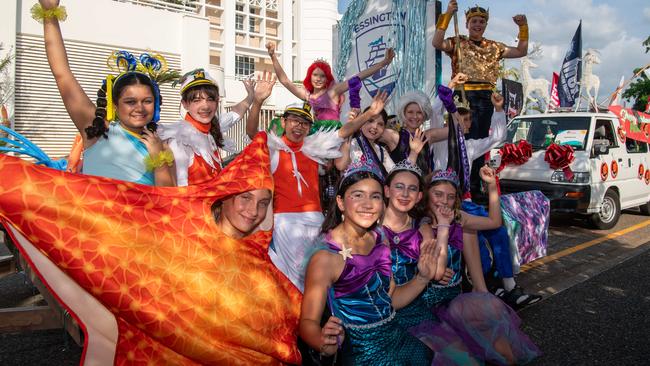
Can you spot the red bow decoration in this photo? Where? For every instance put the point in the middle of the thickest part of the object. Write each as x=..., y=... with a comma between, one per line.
x=515, y=154
x=559, y=157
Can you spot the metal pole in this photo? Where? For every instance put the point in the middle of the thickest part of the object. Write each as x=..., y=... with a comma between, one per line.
x=458, y=55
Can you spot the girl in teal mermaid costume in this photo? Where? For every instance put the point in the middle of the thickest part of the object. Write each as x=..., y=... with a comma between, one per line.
x=352, y=275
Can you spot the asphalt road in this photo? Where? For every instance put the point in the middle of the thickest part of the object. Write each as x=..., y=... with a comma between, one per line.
x=595, y=309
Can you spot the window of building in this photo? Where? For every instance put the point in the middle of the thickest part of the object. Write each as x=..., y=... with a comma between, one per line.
x=251, y=24
x=239, y=22
x=244, y=65
x=239, y=7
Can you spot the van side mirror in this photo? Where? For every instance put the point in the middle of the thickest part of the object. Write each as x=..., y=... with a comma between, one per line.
x=601, y=147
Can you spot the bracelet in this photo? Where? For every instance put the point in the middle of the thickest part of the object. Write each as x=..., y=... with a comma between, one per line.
x=523, y=32
x=443, y=21
x=443, y=225
x=39, y=14
x=162, y=158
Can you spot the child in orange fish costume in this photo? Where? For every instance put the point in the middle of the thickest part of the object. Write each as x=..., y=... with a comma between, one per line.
x=157, y=275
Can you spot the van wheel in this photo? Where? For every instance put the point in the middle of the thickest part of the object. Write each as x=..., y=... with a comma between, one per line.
x=610, y=211
x=645, y=208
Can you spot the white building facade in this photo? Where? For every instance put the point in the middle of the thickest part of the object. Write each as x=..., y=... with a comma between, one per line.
x=227, y=37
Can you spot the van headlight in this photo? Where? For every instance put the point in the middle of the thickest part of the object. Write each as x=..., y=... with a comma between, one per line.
x=578, y=177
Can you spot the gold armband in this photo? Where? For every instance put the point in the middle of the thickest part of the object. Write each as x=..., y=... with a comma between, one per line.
x=523, y=32
x=39, y=14
x=443, y=21
x=162, y=158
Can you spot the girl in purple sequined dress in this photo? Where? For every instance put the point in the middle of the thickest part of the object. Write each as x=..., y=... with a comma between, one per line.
x=352, y=275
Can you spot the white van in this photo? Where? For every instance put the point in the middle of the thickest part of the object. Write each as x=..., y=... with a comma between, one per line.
x=611, y=167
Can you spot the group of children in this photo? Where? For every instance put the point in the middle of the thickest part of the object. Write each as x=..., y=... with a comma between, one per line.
x=381, y=273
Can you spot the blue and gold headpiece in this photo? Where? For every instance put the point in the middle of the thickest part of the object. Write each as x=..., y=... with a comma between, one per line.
x=153, y=65
x=363, y=165
x=448, y=175
x=477, y=11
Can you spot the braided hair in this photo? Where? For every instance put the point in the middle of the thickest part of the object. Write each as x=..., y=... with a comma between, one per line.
x=210, y=91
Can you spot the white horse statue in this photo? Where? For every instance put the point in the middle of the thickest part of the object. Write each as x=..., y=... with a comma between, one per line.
x=530, y=85
x=589, y=80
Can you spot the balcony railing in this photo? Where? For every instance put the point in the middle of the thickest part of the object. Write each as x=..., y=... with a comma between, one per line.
x=238, y=132
x=177, y=6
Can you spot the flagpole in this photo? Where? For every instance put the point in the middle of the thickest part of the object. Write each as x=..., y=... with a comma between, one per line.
x=458, y=55
x=627, y=83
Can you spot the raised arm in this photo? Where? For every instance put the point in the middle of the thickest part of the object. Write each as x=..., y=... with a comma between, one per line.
x=355, y=124
x=241, y=107
x=318, y=280
x=78, y=105
x=342, y=87
x=282, y=76
x=439, y=41
x=522, y=46
x=263, y=89
x=493, y=221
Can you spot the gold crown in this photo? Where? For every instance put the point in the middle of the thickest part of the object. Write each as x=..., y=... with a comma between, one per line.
x=477, y=11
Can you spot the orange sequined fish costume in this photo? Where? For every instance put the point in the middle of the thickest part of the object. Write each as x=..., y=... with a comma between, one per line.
x=146, y=271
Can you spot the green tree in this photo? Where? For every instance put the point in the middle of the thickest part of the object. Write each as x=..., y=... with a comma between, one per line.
x=639, y=90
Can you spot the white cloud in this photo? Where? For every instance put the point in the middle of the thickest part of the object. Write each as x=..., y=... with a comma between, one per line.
x=646, y=13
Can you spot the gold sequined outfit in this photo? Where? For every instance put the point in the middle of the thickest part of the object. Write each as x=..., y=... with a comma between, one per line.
x=480, y=61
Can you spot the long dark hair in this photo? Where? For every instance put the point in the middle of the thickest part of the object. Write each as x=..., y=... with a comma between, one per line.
x=98, y=126
x=419, y=210
x=212, y=91
x=333, y=218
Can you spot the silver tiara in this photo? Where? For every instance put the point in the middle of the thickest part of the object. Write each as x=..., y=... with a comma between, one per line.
x=406, y=165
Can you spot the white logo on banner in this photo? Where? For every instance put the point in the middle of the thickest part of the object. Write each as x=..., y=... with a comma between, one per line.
x=371, y=47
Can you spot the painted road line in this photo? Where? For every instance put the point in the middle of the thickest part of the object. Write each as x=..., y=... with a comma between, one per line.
x=563, y=253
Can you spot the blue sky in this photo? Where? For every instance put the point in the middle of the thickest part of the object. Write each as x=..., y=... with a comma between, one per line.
x=615, y=28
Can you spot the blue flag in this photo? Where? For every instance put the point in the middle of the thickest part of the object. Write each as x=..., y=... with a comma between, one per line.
x=569, y=85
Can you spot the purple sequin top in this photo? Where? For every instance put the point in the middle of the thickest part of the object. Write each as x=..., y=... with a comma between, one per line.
x=324, y=107
x=405, y=252
x=360, y=268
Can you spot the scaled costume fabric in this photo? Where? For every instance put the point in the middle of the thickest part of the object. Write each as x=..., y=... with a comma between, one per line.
x=471, y=325
x=146, y=271
x=360, y=299
x=526, y=216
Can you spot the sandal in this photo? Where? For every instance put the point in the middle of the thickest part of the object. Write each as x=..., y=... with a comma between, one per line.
x=518, y=299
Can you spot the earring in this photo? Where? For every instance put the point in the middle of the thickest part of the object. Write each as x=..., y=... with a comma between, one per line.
x=342, y=217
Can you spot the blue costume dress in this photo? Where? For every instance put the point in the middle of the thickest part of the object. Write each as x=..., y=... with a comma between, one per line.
x=404, y=254
x=360, y=298
x=437, y=294
x=120, y=156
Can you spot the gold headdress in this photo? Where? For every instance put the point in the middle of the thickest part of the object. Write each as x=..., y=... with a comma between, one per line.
x=477, y=11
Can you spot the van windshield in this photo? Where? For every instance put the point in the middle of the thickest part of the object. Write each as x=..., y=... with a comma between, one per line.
x=542, y=132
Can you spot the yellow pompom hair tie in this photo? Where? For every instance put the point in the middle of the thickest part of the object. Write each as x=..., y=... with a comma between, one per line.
x=39, y=14
x=110, y=108
x=162, y=158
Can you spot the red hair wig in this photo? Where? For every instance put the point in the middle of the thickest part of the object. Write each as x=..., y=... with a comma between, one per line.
x=320, y=65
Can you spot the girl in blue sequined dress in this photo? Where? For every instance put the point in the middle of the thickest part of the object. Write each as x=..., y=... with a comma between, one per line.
x=405, y=233
x=352, y=275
